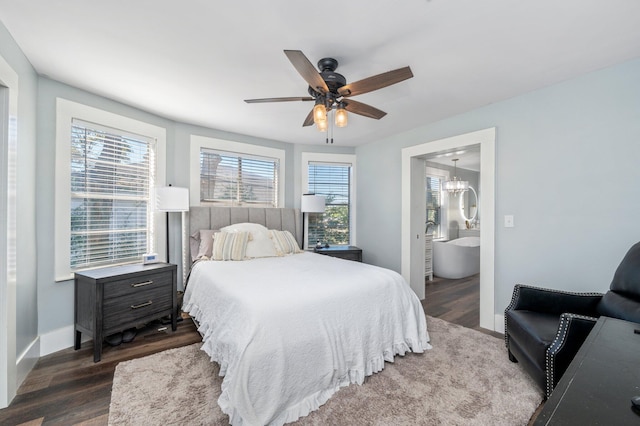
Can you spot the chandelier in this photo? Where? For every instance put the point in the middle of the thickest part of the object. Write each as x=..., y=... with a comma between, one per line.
x=455, y=186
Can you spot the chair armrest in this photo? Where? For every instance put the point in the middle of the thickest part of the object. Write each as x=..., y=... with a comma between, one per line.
x=572, y=332
x=556, y=302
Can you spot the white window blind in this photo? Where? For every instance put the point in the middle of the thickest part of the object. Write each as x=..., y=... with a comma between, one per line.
x=333, y=181
x=434, y=205
x=238, y=179
x=112, y=174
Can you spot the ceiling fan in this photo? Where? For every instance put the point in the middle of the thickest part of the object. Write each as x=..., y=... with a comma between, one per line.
x=330, y=90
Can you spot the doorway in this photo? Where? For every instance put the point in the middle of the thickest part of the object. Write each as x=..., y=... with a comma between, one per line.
x=413, y=202
x=454, y=280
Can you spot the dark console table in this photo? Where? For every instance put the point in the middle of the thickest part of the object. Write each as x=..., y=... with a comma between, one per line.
x=598, y=386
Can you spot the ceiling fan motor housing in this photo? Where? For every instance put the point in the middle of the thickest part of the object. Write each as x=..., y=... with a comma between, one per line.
x=334, y=80
x=327, y=67
x=327, y=64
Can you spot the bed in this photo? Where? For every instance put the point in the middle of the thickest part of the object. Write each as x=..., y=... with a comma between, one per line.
x=289, y=331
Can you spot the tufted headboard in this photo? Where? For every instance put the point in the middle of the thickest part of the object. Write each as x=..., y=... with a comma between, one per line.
x=284, y=219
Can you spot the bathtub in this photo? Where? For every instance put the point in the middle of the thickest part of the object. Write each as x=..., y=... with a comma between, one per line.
x=456, y=258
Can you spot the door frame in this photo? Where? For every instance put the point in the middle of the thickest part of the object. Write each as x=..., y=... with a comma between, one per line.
x=413, y=223
x=8, y=188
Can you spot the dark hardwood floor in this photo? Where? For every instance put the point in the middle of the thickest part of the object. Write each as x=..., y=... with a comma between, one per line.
x=456, y=301
x=68, y=388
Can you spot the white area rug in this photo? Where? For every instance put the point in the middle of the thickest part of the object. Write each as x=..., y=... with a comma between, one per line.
x=466, y=379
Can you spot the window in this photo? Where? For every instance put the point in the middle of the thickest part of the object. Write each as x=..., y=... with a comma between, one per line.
x=434, y=205
x=107, y=167
x=238, y=179
x=235, y=174
x=111, y=209
x=333, y=180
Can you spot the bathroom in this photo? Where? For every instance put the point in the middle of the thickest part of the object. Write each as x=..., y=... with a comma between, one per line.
x=452, y=227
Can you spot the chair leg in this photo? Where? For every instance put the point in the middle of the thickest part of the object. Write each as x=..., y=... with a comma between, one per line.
x=511, y=357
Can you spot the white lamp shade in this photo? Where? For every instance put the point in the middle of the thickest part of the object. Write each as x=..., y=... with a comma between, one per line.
x=172, y=199
x=312, y=203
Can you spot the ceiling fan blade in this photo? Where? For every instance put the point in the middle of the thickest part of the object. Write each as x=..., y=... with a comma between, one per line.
x=376, y=82
x=307, y=70
x=299, y=98
x=363, y=109
x=309, y=120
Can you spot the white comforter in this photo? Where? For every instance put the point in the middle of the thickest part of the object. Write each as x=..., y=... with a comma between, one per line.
x=288, y=332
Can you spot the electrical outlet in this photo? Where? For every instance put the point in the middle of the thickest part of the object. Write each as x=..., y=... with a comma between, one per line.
x=508, y=221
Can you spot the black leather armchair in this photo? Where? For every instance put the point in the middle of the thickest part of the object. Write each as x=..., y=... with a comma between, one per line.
x=545, y=328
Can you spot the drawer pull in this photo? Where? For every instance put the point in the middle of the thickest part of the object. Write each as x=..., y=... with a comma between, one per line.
x=142, y=305
x=142, y=284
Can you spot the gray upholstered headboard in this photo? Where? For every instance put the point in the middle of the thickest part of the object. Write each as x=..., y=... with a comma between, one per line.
x=217, y=217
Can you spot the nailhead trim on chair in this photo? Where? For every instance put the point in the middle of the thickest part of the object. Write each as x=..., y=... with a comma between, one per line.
x=516, y=295
x=557, y=344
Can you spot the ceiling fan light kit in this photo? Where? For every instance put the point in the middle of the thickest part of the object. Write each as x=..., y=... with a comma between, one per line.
x=319, y=111
x=341, y=116
x=330, y=90
x=321, y=125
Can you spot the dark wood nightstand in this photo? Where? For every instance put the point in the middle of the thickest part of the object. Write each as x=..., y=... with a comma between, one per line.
x=342, y=252
x=110, y=300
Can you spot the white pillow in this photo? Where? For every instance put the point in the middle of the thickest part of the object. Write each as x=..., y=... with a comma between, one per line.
x=205, y=247
x=285, y=242
x=201, y=243
x=246, y=227
x=230, y=245
x=260, y=245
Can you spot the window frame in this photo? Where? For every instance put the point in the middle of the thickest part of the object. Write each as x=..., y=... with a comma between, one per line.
x=66, y=111
x=198, y=142
x=315, y=157
x=443, y=175
x=239, y=160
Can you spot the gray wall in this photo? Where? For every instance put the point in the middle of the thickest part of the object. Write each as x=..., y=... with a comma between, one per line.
x=583, y=133
x=27, y=238
x=55, y=300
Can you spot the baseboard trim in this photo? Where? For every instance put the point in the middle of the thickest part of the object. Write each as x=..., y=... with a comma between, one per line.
x=498, y=323
x=56, y=340
x=27, y=360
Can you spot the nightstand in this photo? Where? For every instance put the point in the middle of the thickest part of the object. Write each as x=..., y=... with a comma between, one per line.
x=342, y=252
x=110, y=300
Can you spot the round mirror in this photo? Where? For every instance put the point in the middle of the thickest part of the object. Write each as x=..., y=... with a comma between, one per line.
x=473, y=205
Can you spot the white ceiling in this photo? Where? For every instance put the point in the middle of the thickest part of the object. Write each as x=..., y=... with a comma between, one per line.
x=195, y=61
x=468, y=158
